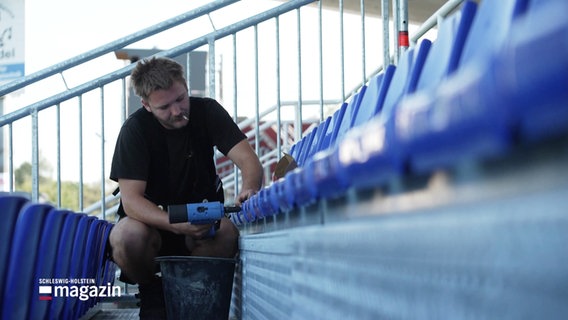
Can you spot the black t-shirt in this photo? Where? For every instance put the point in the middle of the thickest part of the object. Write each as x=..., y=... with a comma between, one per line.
x=177, y=165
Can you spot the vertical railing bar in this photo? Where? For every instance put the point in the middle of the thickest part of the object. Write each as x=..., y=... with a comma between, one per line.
x=278, y=98
x=81, y=205
x=395, y=30
x=188, y=71
x=299, y=125
x=212, y=78
x=103, y=178
x=403, y=40
x=235, y=105
x=386, y=41
x=363, y=47
x=11, y=157
x=256, y=93
x=212, y=68
x=342, y=50
x=35, y=156
x=58, y=128
x=320, y=40
x=124, y=112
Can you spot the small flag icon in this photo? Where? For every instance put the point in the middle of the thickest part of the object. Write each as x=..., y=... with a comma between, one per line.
x=44, y=293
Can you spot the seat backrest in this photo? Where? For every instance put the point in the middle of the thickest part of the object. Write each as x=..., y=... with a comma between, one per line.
x=490, y=28
x=405, y=77
x=89, y=266
x=349, y=116
x=335, y=122
x=318, y=138
x=64, y=256
x=295, y=149
x=78, y=259
x=374, y=98
x=305, y=147
x=45, y=264
x=10, y=206
x=446, y=51
x=108, y=268
x=21, y=264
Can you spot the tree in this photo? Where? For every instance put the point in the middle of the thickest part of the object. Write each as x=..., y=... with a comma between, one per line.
x=48, y=187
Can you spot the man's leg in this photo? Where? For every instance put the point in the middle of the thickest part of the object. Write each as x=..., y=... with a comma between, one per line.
x=223, y=245
x=134, y=247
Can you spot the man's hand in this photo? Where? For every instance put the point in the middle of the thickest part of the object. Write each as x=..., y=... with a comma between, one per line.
x=195, y=231
x=244, y=195
x=244, y=157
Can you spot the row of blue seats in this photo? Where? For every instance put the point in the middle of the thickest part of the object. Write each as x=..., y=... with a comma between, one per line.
x=496, y=74
x=40, y=246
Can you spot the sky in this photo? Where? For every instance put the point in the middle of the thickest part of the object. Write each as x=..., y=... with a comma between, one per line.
x=57, y=30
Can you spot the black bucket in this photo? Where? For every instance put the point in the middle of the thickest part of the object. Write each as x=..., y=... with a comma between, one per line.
x=197, y=287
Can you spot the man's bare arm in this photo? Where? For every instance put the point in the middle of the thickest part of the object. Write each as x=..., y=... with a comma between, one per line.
x=246, y=159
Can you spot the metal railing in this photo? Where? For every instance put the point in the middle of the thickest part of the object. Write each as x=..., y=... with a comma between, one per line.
x=316, y=99
x=33, y=110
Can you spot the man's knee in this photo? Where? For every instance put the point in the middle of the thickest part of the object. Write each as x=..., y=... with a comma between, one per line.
x=229, y=236
x=130, y=236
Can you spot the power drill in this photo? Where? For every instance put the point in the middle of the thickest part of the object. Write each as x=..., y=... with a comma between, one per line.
x=201, y=213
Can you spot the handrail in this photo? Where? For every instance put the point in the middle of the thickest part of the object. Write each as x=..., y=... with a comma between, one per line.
x=176, y=51
x=120, y=43
x=433, y=20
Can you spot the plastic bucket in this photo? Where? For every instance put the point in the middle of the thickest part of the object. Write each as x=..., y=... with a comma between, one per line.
x=197, y=287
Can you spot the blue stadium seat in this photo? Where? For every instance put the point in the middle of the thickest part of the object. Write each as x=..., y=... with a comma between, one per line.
x=246, y=210
x=536, y=62
x=21, y=264
x=78, y=259
x=333, y=126
x=287, y=192
x=281, y=195
x=255, y=206
x=326, y=174
x=318, y=138
x=64, y=256
x=367, y=157
x=305, y=147
x=472, y=114
x=374, y=98
x=405, y=78
x=490, y=28
x=446, y=51
x=106, y=273
x=47, y=255
x=321, y=179
x=294, y=149
x=296, y=187
x=348, y=117
x=104, y=269
x=235, y=217
x=89, y=266
x=10, y=206
x=249, y=209
x=265, y=206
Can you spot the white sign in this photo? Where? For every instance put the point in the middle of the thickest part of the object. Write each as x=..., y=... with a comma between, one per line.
x=12, y=36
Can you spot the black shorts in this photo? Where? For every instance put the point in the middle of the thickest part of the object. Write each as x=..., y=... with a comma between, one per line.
x=172, y=244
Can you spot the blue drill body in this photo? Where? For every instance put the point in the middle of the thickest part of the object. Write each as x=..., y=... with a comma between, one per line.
x=201, y=213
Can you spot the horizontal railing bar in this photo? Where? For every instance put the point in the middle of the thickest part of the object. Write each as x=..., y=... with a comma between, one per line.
x=174, y=52
x=432, y=21
x=112, y=46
